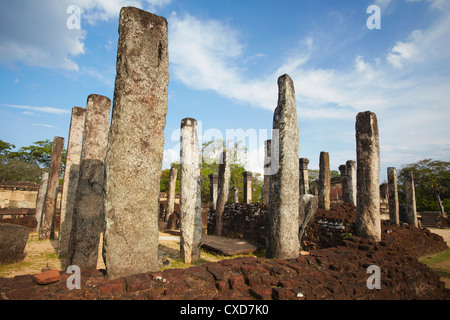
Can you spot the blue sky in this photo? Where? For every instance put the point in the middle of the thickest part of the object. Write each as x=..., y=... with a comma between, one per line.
x=225, y=58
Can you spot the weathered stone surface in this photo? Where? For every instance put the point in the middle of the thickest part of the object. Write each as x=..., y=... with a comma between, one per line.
x=303, y=179
x=351, y=181
x=13, y=239
x=282, y=222
x=343, y=171
x=367, y=222
x=213, y=189
x=393, y=196
x=54, y=172
x=40, y=199
x=47, y=277
x=411, y=211
x=235, y=191
x=71, y=174
x=136, y=144
x=307, y=208
x=223, y=190
x=190, y=194
x=266, y=185
x=247, y=186
x=171, y=193
x=324, y=181
x=88, y=213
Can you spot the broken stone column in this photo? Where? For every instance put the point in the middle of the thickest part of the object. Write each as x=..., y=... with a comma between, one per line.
x=266, y=184
x=307, y=208
x=247, y=186
x=303, y=180
x=393, y=196
x=213, y=189
x=324, y=181
x=170, y=205
x=223, y=190
x=40, y=199
x=411, y=213
x=54, y=172
x=351, y=181
x=136, y=144
x=367, y=222
x=71, y=174
x=88, y=212
x=343, y=170
x=190, y=197
x=235, y=195
x=282, y=220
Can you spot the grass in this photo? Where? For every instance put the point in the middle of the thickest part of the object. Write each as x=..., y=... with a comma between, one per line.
x=440, y=263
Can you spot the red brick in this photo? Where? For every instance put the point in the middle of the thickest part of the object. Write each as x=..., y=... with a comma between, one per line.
x=47, y=277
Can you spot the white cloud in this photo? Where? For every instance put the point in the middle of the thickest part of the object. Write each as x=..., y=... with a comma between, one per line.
x=51, y=110
x=45, y=125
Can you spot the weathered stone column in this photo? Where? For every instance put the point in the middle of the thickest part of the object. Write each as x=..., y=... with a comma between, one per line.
x=213, y=189
x=136, y=144
x=51, y=195
x=71, y=174
x=393, y=196
x=223, y=190
x=282, y=220
x=40, y=199
x=367, y=222
x=411, y=213
x=343, y=170
x=303, y=180
x=190, y=197
x=247, y=186
x=170, y=205
x=89, y=212
x=235, y=195
x=351, y=181
x=324, y=181
x=266, y=185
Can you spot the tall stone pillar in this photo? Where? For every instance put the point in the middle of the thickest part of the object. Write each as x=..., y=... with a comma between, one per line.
x=190, y=197
x=213, y=189
x=303, y=180
x=89, y=212
x=393, y=196
x=367, y=222
x=343, y=170
x=247, y=186
x=136, y=144
x=71, y=174
x=282, y=220
x=324, y=181
x=40, y=199
x=171, y=193
x=223, y=190
x=51, y=195
x=411, y=213
x=351, y=181
x=266, y=185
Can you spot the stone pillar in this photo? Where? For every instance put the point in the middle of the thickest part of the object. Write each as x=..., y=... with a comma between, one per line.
x=89, y=212
x=351, y=181
x=71, y=174
x=343, y=170
x=51, y=195
x=303, y=180
x=411, y=213
x=213, y=188
x=136, y=144
x=282, y=220
x=247, y=186
x=367, y=222
x=266, y=185
x=393, y=196
x=190, y=197
x=170, y=205
x=324, y=181
x=235, y=195
x=40, y=199
x=223, y=190
x=384, y=194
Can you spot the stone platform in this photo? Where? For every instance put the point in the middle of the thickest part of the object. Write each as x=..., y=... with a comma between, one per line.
x=227, y=246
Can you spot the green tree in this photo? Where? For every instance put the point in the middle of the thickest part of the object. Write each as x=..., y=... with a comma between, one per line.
x=431, y=182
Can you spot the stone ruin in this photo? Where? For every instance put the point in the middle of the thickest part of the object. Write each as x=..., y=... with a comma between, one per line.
x=111, y=188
